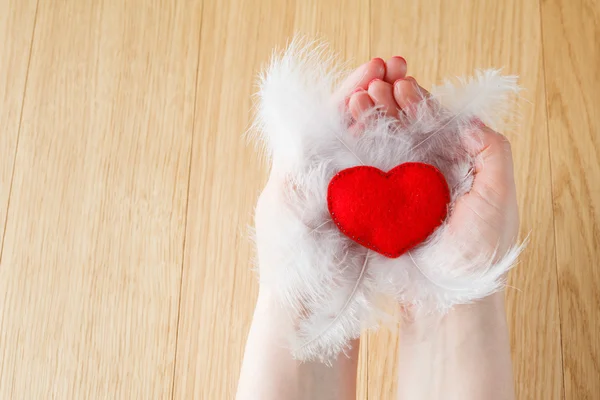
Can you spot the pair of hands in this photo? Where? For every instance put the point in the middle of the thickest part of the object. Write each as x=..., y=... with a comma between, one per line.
x=484, y=219
x=468, y=356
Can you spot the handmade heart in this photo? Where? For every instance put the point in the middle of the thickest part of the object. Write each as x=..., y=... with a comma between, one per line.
x=391, y=212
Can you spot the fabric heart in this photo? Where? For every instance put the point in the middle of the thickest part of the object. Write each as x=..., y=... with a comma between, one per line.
x=391, y=212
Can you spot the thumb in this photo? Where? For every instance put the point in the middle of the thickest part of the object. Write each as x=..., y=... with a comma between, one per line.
x=489, y=210
x=494, y=174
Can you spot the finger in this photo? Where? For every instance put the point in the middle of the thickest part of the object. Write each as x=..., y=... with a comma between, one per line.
x=494, y=172
x=395, y=69
x=381, y=93
x=491, y=149
x=360, y=78
x=408, y=94
x=360, y=102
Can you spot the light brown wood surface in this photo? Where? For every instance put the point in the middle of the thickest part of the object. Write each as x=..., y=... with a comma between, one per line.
x=127, y=189
x=16, y=34
x=571, y=33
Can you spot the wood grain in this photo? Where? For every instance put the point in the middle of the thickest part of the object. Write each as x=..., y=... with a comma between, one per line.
x=454, y=38
x=219, y=289
x=16, y=34
x=571, y=30
x=92, y=259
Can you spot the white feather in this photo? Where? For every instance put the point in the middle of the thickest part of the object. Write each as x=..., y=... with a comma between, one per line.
x=485, y=96
x=329, y=285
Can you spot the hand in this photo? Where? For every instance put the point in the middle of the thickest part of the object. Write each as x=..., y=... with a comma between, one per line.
x=489, y=209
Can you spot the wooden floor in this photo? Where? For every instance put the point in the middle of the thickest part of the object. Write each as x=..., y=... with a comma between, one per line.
x=126, y=188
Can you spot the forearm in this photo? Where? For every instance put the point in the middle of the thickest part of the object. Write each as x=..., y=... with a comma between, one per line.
x=464, y=355
x=269, y=371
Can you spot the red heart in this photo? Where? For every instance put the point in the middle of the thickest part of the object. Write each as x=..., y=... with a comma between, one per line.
x=391, y=212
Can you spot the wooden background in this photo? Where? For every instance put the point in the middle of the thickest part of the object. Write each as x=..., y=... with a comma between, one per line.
x=126, y=189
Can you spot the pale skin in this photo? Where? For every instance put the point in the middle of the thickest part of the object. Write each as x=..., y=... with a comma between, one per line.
x=463, y=355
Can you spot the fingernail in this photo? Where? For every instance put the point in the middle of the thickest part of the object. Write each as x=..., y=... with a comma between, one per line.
x=398, y=81
x=401, y=58
x=373, y=80
x=383, y=66
x=413, y=82
x=347, y=100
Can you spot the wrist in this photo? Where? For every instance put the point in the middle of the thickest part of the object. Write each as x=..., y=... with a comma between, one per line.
x=466, y=319
x=269, y=370
x=464, y=354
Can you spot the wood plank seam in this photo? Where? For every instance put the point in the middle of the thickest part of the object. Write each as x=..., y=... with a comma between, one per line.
x=12, y=176
x=187, y=202
x=560, y=335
